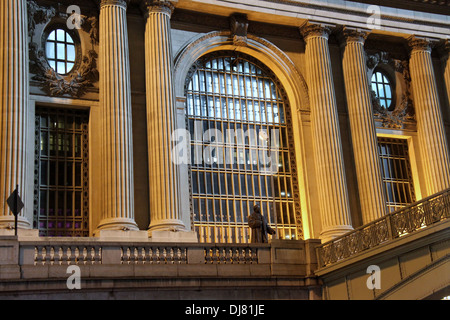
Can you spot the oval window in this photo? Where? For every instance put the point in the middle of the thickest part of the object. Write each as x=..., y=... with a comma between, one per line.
x=61, y=51
x=383, y=89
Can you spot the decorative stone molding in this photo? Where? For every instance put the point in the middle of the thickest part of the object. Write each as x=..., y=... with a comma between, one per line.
x=402, y=113
x=218, y=40
x=83, y=76
x=239, y=27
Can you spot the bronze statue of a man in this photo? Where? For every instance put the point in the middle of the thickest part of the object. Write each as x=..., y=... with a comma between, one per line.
x=260, y=227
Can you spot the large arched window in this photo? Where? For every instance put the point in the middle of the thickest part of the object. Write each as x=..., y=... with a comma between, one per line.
x=242, y=151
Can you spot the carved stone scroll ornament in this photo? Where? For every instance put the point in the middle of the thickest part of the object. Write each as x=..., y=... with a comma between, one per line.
x=84, y=76
x=403, y=110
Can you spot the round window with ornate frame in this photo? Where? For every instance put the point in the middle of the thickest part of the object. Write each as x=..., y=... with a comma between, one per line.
x=61, y=49
x=383, y=89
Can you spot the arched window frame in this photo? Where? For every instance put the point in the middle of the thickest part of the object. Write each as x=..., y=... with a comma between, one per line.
x=296, y=217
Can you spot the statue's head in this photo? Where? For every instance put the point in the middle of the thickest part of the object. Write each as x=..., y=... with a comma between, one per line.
x=257, y=208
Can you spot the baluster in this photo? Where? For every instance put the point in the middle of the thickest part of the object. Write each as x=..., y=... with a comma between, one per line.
x=248, y=255
x=56, y=256
x=242, y=257
x=64, y=257
x=158, y=255
x=140, y=255
x=82, y=257
x=171, y=256
x=208, y=255
x=128, y=255
x=164, y=256
x=48, y=257
x=184, y=255
x=222, y=255
x=229, y=256
x=122, y=256
x=151, y=255
x=38, y=258
x=77, y=255
x=52, y=255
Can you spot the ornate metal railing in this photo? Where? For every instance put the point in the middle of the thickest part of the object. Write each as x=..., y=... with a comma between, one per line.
x=394, y=225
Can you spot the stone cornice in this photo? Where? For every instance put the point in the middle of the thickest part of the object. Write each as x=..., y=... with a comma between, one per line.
x=162, y=6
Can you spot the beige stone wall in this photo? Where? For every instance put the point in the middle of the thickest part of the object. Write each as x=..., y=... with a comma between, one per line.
x=278, y=26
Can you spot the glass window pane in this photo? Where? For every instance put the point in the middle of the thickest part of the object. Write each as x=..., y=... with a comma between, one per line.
x=71, y=53
x=60, y=35
x=379, y=77
x=52, y=36
x=69, y=38
x=50, y=50
x=61, y=67
x=380, y=91
x=388, y=91
x=70, y=67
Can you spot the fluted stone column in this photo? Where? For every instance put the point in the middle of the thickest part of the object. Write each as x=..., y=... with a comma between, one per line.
x=430, y=127
x=365, y=144
x=165, y=213
x=115, y=101
x=445, y=58
x=13, y=106
x=331, y=181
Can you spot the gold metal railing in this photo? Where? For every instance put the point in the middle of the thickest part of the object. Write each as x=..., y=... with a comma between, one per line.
x=409, y=219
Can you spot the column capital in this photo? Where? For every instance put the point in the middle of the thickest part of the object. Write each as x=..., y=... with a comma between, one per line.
x=309, y=30
x=120, y=3
x=349, y=34
x=163, y=6
x=443, y=48
x=419, y=44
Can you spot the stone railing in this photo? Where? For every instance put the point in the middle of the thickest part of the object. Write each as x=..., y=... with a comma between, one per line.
x=409, y=219
x=295, y=255
x=79, y=252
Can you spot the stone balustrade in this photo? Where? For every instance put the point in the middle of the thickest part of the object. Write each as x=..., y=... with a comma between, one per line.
x=50, y=258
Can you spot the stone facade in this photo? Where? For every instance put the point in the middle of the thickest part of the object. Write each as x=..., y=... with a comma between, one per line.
x=130, y=69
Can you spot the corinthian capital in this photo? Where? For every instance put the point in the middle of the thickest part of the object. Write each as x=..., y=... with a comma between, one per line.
x=120, y=3
x=347, y=34
x=443, y=48
x=308, y=30
x=164, y=6
x=419, y=44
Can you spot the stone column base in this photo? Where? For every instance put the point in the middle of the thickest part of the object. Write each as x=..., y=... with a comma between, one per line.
x=173, y=236
x=121, y=235
x=334, y=232
x=23, y=234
